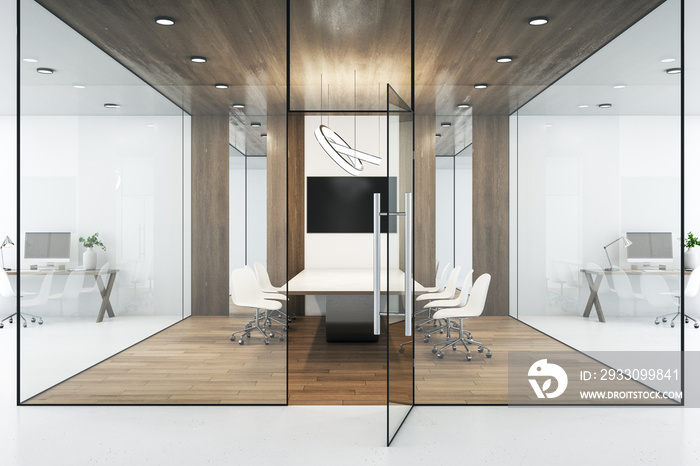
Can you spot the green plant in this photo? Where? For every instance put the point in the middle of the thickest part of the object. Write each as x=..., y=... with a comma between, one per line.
x=92, y=241
x=691, y=240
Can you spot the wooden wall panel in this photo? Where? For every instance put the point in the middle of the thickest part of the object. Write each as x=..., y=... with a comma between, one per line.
x=210, y=216
x=490, y=208
x=277, y=199
x=295, y=191
x=424, y=199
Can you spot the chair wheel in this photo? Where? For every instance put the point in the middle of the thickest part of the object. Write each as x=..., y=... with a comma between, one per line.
x=294, y=317
x=672, y=325
x=41, y=322
x=434, y=350
x=454, y=347
x=24, y=324
x=469, y=357
x=281, y=338
x=442, y=331
x=419, y=329
x=657, y=322
x=247, y=335
x=241, y=341
x=233, y=338
x=426, y=339
x=267, y=342
x=696, y=325
x=481, y=349
x=2, y=325
x=272, y=334
x=10, y=319
x=440, y=355
x=402, y=350
x=686, y=321
x=663, y=320
x=488, y=355
x=33, y=319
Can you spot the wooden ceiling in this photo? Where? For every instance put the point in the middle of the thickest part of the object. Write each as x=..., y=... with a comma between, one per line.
x=347, y=50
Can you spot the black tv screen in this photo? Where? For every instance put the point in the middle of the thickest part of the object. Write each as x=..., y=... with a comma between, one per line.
x=344, y=204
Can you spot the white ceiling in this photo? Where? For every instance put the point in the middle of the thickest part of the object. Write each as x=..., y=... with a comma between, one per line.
x=77, y=61
x=633, y=59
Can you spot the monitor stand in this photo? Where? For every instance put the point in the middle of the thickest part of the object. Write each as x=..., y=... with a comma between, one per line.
x=648, y=266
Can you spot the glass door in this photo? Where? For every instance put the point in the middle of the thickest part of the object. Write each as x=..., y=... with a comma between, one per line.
x=393, y=265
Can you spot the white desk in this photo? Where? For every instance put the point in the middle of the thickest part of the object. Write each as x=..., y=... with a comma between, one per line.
x=348, y=293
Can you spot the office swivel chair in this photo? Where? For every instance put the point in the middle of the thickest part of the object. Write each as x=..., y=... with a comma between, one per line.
x=454, y=302
x=447, y=293
x=72, y=289
x=691, y=291
x=623, y=288
x=266, y=285
x=473, y=308
x=245, y=293
x=37, y=301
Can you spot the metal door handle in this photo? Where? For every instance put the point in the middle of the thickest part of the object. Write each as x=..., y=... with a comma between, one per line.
x=377, y=246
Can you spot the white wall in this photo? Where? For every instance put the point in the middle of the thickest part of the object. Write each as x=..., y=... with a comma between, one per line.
x=444, y=210
x=463, y=211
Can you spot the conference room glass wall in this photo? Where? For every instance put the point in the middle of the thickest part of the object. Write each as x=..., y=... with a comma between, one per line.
x=597, y=165
x=104, y=154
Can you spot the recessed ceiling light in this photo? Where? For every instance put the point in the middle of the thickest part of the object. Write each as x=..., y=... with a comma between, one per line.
x=30, y=60
x=198, y=59
x=111, y=105
x=165, y=20
x=263, y=135
x=605, y=105
x=583, y=106
x=238, y=106
x=673, y=71
x=464, y=106
x=221, y=86
x=548, y=126
x=480, y=86
x=504, y=59
x=668, y=60
x=619, y=86
x=45, y=70
x=438, y=135
x=78, y=86
x=538, y=21
x=255, y=124
x=445, y=124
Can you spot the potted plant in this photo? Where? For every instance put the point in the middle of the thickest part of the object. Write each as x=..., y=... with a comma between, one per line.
x=89, y=256
x=691, y=257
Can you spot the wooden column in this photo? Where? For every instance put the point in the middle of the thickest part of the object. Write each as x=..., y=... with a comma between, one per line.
x=277, y=199
x=490, y=208
x=296, y=176
x=210, y=216
x=424, y=199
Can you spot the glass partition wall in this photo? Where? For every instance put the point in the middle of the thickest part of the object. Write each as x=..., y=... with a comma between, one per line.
x=104, y=163
x=596, y=202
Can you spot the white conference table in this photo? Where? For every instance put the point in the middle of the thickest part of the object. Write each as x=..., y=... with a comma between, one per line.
x=347, y=295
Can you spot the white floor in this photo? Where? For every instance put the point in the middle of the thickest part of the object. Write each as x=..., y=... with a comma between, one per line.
x=32, y=435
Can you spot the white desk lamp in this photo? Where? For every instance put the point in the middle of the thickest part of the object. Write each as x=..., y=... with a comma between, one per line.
x=627, y=243
x=7, y=243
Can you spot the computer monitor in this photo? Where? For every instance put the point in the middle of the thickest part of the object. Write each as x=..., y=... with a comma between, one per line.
x=650, y=246
x=47, y=247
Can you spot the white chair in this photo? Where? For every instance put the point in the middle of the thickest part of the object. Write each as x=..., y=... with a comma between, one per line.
x=473, y=308
x=39, y=300
x=454, y=302
x=246, y=293
x=447, y=293
x=103, y=271
x=275, y=292
x=623, y=288
x=656, y=292
x=691, y=291
x=269, y=295
x=440, y=280
x=72, y=289
x=6, y=291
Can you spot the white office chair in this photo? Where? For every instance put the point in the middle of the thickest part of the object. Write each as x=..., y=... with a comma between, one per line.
x=103, y=271
x=691, y=291
x=39, y=300
x=440, y=280
x=6, y=291
x=246, y=293
x=656, y=292
x=454, y=302
x=473, y=308
x=270, y=295
x=72, y=288
x=447, y=293
x=623, y=288
x=266, y=286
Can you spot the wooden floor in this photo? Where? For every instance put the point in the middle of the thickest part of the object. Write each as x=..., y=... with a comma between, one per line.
x=194, y=362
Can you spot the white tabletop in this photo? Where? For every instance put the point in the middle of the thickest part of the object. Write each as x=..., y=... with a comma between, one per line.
x=344, y=281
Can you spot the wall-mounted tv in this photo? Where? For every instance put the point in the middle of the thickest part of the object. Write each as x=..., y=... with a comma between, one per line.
x=344, y=204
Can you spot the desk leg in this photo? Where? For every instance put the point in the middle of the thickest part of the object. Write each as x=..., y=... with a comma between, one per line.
x=593, y=300
x=105, y=292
